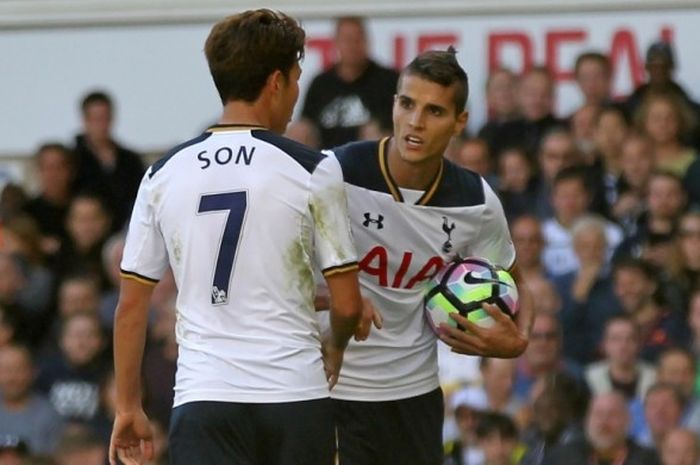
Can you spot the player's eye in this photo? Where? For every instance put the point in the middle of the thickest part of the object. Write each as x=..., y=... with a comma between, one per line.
x=405, y=102
x=436, y=111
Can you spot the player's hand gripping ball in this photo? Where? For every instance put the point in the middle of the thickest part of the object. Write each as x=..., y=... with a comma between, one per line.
x=463, y=286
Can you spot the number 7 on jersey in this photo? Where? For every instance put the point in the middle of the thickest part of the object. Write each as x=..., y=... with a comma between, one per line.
x=235, y=204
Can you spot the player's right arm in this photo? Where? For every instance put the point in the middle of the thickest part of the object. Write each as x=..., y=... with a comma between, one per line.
x=131, y=435
x=345, y=312
x=337, y=258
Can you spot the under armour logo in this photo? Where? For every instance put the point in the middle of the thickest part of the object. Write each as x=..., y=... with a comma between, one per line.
x=447, y=228
x=379, y=222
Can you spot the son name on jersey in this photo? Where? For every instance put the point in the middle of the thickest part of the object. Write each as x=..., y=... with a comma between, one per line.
x=225, y=155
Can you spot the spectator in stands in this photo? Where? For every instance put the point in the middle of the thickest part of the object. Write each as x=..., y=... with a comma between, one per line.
x=12, y=201
x=677, y=368
x=103, y=165
x=621, y=369
x=474, y=155
x=636, y=168
x=556, y=152
x=501, y=95
x=587, y=296
x=686, y=269
x=543, y=356
x=497, y=436
x=570, y=199
x=56, y=173
x=496, y=391
x=536, y=99
x=663, y=412
x=664, y=117
x=660, y=65
x=554, y=419
x=606, y=437
x=501, y=107
x=609, y=135
x=22, y=240
x=355, y=92
x=72, y=378
x=24, y=413
x=680, y=447
x=468, y=409
x=517, y=183
x=665, y=202
x=593, y=75
x=88, y=228
x=526, y=233
x=636, y=286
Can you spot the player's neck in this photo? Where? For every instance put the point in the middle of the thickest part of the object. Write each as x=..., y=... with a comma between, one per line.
x=245, y=113
x=411, y=175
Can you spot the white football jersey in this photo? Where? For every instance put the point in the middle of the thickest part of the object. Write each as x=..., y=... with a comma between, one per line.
x=401, y=245
x=239, y=214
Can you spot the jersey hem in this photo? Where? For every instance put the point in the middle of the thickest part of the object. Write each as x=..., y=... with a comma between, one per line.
x=250, y=397
x=374, y=393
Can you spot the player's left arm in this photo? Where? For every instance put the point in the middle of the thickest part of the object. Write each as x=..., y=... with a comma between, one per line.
x=506, y=338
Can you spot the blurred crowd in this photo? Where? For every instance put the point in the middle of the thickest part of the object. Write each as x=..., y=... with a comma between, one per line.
x=604, y=209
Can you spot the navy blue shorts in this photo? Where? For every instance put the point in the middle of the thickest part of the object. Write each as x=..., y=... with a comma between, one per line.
x=406, y=431
x=226, y=433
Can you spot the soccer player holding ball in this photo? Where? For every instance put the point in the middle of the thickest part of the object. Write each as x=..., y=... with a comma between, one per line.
x=412, y=211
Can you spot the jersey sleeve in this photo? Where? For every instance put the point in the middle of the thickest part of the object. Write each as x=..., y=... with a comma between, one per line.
x=145, y=256
x=335, y=248
x=494, y=242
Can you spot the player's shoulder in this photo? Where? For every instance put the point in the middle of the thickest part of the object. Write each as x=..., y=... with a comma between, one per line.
x=305, y=156
x=459, y=187
x=170, y=154
x=360, y=163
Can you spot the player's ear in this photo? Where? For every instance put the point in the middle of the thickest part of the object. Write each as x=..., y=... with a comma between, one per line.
x=461, y=122
x=276, y=81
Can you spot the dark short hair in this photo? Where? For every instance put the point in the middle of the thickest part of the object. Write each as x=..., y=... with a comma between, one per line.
x=598, y=57
x=243, y=50
x=642, y=266
x=494, y=422
x=96, y=96
x=65, y=152
x=572, y=173
x=441, y=67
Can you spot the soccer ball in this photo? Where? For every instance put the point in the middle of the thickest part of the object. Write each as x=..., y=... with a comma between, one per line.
x=462, y=286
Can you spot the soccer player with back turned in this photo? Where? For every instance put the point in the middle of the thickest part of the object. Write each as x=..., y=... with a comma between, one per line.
x=240, y=213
